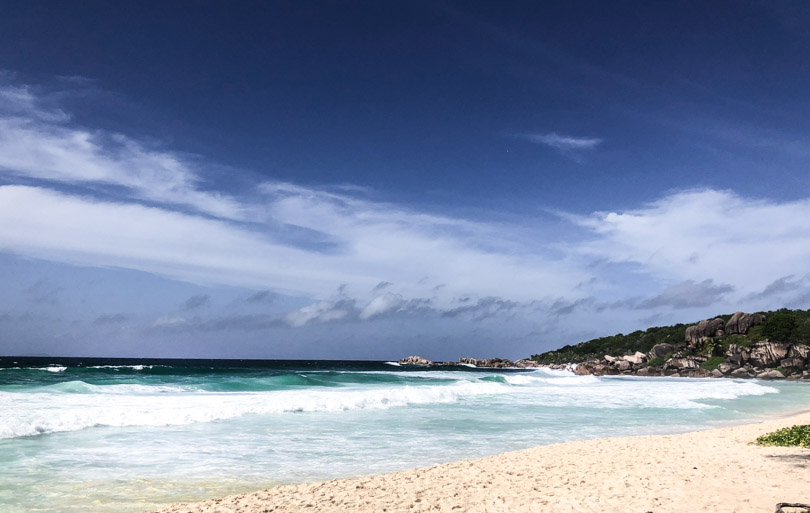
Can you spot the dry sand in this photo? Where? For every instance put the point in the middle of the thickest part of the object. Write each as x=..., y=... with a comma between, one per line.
x=705, y=471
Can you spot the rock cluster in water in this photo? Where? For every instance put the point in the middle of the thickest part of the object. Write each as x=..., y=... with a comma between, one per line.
x=414, y=360
x=492, y=363
x=764, y=360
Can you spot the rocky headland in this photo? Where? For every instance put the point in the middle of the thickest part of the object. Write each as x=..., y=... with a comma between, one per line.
x=735, y=346
x=712, y=348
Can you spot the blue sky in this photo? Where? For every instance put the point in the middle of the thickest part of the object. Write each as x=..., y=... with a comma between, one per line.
x=322, y=180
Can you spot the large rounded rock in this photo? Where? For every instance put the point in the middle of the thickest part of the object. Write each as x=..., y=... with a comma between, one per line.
x=661, y=350
x=792, y=363
x=705, y=329
x=741, y=322
x=768, y=354
x=695, y=373
x=622, y=365
x=688, y=362
x=595, y=367
x=771, y=374
x=799, y=351
x=727, y=368
x=738, y=353
x=740, y=373
x=636, y=359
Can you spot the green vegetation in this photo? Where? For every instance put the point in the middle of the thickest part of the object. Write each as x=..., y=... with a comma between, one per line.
x=740, y=340
x=565, y=355
x=712, y=363
x=796, y=436
x=656, y=362
x=783, y=325
x=713, y=347
x=615, y=345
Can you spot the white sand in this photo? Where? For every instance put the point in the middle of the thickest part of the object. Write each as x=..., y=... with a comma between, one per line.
x=705, y=471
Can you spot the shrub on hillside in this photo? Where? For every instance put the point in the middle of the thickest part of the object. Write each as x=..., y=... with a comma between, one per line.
x=656, y=362
x=712, y=363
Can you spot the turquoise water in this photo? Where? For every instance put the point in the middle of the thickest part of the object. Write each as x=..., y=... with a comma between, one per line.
x=120, y=436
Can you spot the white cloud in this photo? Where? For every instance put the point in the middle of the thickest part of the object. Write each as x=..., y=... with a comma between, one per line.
x=37, y=142
x=46, y=224
x=169, y=322
x=692, y=243
x=376, y=242
x=382, y=305
x=18, y=100
x=404, y=246
x=707, y=234
x=564, y=143
x=368, y=241
x=322, y=311
x=688, y=294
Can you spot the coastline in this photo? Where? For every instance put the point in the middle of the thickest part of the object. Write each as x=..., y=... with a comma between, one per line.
x=714, y=470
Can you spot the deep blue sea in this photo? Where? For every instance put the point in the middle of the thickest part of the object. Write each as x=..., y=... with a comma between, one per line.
x=113, y=435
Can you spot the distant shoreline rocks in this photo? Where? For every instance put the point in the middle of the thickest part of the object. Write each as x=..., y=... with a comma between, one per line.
x=415, y=360
x=487, y=363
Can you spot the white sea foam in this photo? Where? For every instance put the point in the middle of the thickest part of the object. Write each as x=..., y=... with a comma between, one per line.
x=80, y=387
x=134, y=405
x=531, y=379
x=432, y=374
x=134, y=367
x=554, y=372
x=611, y=393
x=468, y=365
x=75, y=405
x=52, y=368
x=395, y=364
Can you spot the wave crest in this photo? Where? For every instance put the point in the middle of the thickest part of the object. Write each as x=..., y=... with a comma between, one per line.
x=39, y=413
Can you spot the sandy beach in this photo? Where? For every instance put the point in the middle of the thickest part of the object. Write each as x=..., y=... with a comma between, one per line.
x=716, y=470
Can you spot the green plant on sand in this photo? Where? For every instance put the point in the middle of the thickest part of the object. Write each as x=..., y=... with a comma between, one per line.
x=795, y=436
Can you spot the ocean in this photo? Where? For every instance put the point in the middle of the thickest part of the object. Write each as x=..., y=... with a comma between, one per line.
x=120, y=435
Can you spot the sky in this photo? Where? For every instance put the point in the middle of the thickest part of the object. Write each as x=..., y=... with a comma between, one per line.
x=371, y=180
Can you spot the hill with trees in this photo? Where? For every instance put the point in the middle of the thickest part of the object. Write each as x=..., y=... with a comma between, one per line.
x=787, y=326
